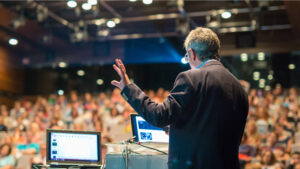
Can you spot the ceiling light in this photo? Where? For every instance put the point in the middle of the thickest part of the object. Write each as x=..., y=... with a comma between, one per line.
x=132, y=0
x=117, y=20
x=292, y=66
x=99, y=82
x=226, y=15
x=270, y=77
x=147, y=2
x=72, y=3
x=62, y=64
x=256, y=76
x=13, y=41
x=80, y=73
x=262, y=83
x=86, y=6
x=110, y=24
x=262, y=80
x=244, y=57
x=92, y=2
x=104, y=32
x=100, y=22
x=60, y=92
x=261, y=56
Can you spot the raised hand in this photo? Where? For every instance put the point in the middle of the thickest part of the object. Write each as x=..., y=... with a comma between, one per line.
x=121, y=70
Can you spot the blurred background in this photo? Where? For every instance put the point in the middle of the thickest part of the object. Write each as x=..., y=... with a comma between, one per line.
x=47, y=46
x=56, y=65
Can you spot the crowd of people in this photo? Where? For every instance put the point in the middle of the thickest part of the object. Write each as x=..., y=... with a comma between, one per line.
x=270, y=140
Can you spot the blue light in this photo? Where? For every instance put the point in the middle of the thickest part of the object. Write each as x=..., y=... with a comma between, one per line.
x=183, y=61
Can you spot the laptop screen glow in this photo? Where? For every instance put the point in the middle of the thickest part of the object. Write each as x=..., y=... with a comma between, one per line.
x=73, y=147
x=145, y=132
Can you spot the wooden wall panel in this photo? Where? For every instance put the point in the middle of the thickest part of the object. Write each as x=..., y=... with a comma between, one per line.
x=11, y=77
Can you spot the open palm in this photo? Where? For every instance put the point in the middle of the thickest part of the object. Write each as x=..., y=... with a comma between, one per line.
x=121, y=70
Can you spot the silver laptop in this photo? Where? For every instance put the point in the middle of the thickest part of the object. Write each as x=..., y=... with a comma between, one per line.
x=79, y=148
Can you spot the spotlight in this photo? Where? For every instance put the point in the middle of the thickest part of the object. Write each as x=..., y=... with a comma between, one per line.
x=147, y=2
x=226, y=15
x=86, y=6
x=292, y=66
x=132, y=0
x=99, y=81
x=262, y=80
x=80, y=73
x=110, y=24
x=261, y=83
x=270, y=77
x=60, y=92
x=92, y=2
x=183, y=61
x=256, y=76
x=13, y=41
x=244, y=57
x=72, y=3
x=62, y=64
x=261, y=56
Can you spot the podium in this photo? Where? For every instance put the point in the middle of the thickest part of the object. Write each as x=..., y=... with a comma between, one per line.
x=137, y=161
x=138, y=157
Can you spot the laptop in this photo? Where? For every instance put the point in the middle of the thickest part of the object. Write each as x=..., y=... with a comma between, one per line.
x=73, y=148
x=145, y=132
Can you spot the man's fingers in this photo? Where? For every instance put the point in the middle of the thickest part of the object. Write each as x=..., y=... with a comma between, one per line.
x=121, y=66
x=118, y=70
x=115, y=83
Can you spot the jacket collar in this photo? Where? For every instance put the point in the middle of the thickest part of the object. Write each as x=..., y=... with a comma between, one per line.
x=213, y=62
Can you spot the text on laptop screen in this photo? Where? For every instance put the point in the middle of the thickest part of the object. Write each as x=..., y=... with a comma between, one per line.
x=74, y=147
x=145, y=132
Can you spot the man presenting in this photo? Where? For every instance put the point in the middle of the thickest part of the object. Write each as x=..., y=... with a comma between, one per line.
x=206, y=109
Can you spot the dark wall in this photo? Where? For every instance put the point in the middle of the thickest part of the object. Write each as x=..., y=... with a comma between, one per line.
x=11, y=77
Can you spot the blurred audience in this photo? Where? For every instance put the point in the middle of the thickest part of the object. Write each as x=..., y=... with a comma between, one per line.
x=271, y=139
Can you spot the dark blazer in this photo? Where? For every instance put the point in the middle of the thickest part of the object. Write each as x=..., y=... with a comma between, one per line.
x=206, y=110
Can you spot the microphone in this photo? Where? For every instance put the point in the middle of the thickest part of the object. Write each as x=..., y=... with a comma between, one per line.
x=130, y=140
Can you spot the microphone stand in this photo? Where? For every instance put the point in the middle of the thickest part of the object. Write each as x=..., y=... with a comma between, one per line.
x=151, y=148
x=126, y=150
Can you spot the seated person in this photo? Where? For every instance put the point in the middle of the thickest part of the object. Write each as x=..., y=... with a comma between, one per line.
x=2, y=126
x=40, y=158
x=294, y=161
x=7, y=160
x=31, y=147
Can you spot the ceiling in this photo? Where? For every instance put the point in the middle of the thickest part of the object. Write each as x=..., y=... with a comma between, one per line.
x=63, y=33
x=162, y=17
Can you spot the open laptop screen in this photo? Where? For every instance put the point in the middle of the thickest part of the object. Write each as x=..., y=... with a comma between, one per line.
x=73, y=147
x=145, y=132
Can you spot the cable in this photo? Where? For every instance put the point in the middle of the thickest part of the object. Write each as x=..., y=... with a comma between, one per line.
x=155, y=149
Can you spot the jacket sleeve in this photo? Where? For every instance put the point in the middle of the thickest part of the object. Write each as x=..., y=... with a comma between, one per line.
x=161, y=114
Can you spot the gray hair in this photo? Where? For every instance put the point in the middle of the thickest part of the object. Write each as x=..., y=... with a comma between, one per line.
x=204, y=42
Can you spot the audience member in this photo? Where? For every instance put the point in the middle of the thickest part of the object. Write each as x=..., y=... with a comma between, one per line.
x=7, y=160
